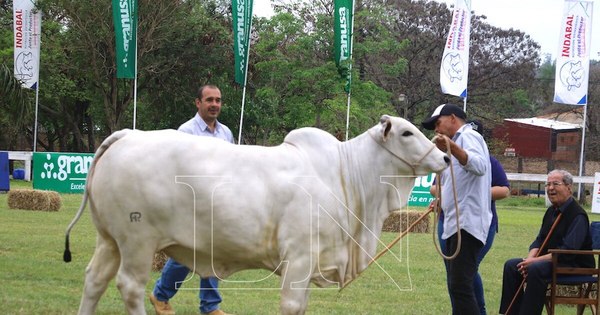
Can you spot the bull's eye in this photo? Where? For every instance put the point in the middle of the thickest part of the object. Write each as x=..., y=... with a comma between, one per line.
x=407, y=133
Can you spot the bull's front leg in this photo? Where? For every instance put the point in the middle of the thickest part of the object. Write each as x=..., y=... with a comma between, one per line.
x=295, y=282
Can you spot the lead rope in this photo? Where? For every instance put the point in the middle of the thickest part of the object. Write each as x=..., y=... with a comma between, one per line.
x=437, y=204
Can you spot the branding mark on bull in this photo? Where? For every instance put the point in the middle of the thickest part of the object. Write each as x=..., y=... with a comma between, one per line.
x=135, y=217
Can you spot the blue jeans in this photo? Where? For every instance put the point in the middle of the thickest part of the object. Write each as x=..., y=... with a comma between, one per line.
x=477, y=282
x=173, y=274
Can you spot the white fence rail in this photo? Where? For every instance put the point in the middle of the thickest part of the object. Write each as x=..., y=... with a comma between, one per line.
x=25, y=156
x=522, y=177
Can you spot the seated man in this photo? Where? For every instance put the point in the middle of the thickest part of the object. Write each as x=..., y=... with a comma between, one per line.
x=571, y=232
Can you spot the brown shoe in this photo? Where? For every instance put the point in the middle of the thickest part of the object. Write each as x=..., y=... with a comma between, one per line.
x=216, y=312
x=161, y=308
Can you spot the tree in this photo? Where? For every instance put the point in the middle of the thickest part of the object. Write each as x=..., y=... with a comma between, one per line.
x=292, y=79
x=81, y=93
x=299, y=83
x=592, y=140
x=502, y=62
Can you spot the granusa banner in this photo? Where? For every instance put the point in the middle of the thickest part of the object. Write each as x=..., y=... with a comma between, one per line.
x=342, y=30
x=125, y=21
x=573, y=59
x=242, y=23
x=27, y=32
x=454, y=69
x=61, y=171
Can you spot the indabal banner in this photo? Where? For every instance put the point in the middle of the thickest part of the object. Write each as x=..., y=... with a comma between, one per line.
x=61, y=172
x=573, y=60
x=125, y=21
x=27, y=22
x=454, y=69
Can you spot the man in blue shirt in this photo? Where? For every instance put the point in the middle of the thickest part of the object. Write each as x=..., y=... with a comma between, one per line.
x=205, y=124
x=571, y=232
x=472, y=217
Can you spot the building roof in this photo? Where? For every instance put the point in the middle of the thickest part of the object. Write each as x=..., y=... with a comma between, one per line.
x=546, y=123
x=574, y=115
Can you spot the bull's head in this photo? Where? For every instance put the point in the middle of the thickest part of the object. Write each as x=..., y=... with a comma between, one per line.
x=407, y=143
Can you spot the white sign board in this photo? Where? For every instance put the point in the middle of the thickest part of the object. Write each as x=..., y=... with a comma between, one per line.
x=596, y=194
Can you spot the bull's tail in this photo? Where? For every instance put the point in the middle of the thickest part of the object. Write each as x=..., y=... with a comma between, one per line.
x=101, y=150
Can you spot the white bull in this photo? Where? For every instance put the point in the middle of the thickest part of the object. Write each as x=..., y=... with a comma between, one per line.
x=310, y=209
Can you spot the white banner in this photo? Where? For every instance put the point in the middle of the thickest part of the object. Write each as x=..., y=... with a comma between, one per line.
x=596, y=194
x=455, y=61
x=27, y=32
x=573, y=59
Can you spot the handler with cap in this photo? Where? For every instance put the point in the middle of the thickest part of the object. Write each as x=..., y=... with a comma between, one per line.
x=471, y=168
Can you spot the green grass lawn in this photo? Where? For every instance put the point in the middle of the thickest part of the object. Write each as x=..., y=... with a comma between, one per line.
x=409, y=280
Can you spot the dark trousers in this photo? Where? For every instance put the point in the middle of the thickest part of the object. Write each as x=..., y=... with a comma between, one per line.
x=538, y=277
x=460, y=272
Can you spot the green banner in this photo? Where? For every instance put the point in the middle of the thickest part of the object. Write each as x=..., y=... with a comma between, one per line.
x=342, y=29
x=125, y=20
x=420, y=195
x=242, y=24
x=61, y=172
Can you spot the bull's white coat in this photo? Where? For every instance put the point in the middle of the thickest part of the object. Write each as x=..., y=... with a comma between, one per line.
x=311, y=209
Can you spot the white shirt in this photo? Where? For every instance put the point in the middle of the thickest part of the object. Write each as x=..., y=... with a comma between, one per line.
x=473, y=182
x=198, y=127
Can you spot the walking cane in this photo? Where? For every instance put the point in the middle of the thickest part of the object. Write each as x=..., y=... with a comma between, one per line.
x=536, y=255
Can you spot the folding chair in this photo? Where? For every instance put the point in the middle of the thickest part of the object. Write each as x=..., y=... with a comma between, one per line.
x=586, y=281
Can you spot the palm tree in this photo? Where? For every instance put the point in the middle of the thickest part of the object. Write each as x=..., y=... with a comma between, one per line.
x=14, y=106
x=10, y=87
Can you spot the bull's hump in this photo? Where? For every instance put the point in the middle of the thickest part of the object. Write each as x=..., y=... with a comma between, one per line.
x=311, y=137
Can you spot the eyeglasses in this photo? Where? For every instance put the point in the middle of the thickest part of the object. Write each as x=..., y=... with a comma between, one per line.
x=554, y=184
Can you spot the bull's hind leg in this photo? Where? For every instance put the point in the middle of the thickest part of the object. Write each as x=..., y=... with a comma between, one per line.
x=133, y=274
x=101, y=269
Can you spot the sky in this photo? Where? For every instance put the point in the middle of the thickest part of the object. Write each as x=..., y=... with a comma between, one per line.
x=538, y=18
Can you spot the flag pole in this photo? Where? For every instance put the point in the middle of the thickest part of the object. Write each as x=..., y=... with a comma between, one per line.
x=347, y=115
x=242, y=113
x=582, y=149
x=349, y=76
x=135, y=78
x=35, y=124
x=245, y=77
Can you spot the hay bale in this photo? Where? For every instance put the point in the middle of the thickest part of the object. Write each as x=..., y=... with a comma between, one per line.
x=571, y=291
x=160, y=258
x=32, y=199
x=400, y=220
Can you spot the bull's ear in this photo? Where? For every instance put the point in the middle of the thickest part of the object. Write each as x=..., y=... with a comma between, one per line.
x=386, y=126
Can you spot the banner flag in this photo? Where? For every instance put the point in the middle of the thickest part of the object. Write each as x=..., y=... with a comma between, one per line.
x=27, y=31
x=342, y=29
x=454, y=69
x=125, y=21
x=573, y=61
x=242, y=22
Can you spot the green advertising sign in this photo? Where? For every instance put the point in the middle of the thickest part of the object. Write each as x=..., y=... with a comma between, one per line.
x=420, y=196
x=61, y=172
